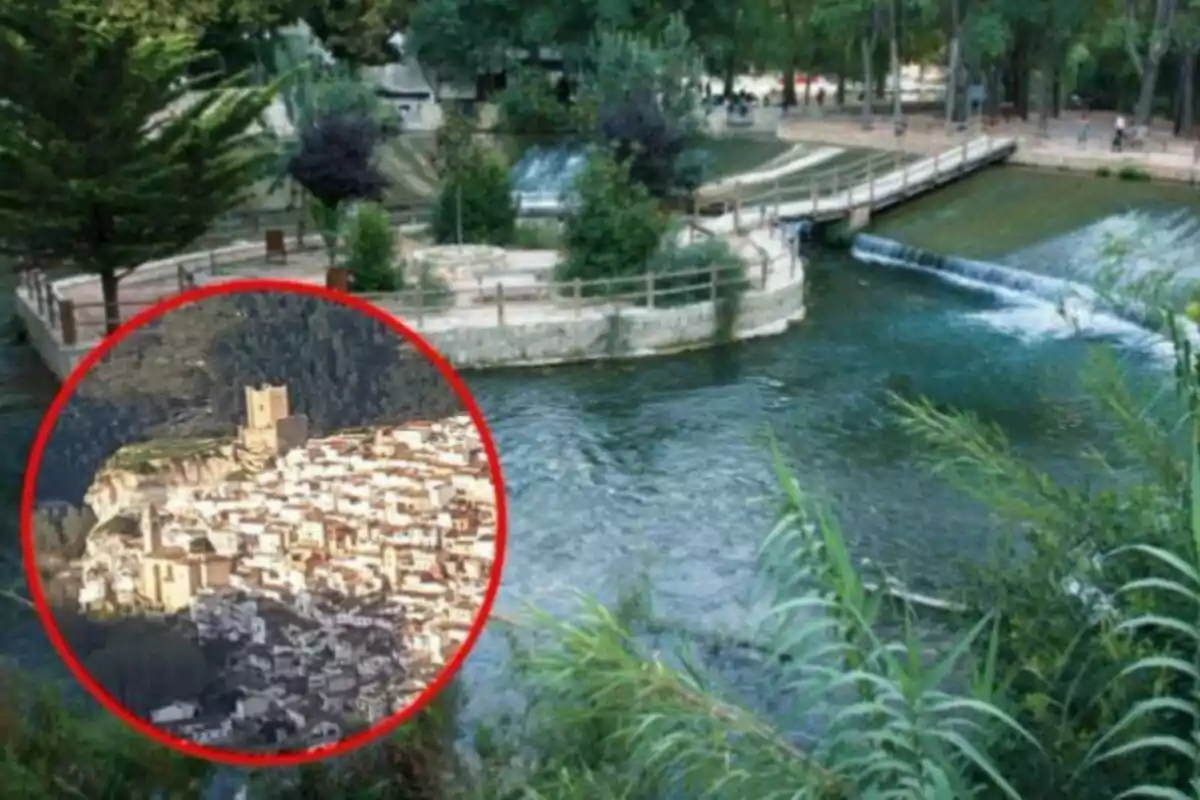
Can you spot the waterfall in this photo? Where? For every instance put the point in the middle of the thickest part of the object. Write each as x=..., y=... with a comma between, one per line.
x=542, y=179
x=1036, y=305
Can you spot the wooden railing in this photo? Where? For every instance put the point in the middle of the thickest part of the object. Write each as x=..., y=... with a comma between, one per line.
x=860, y=175
x=80, y=323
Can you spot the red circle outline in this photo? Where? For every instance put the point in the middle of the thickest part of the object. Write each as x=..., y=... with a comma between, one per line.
x=33, y=464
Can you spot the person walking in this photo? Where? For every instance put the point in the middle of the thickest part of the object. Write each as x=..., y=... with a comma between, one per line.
x=1118, y=143
x=1085, y=124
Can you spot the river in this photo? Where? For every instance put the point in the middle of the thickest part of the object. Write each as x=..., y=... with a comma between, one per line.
x=662, y=464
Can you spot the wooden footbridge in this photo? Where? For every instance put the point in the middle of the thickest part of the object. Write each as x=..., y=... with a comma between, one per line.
x=856, y=190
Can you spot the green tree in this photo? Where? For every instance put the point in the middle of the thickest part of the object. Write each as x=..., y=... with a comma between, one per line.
x=359, y=32
x=475, y=205
x=371, y=250
x=106, y=159
x=614, y=227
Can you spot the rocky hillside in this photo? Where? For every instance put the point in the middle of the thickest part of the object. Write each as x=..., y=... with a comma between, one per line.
x=149, y=471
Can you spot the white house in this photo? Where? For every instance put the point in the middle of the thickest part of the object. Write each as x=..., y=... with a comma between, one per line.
x=175, y=712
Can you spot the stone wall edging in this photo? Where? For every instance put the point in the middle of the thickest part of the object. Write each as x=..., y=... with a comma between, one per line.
x=593, y=334
x=619, y=332
x=58, y=357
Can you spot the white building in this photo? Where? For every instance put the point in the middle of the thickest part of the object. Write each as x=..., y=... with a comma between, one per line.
x=175, y=712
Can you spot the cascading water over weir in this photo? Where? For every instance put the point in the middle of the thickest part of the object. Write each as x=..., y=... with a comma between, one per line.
x=542, y=179
x=1053, y=289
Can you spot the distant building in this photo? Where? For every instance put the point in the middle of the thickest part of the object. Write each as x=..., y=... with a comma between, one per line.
x=270, y=426
x=170, y=576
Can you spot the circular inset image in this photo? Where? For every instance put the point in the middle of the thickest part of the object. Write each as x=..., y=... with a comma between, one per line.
x=284, y=522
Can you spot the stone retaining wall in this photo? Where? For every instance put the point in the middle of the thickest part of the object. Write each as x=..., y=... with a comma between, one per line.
x=539, y=334
x=58, y=357
x=1158, y=166
x=616, y=332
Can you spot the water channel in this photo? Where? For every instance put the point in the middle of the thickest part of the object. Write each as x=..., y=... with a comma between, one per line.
x=662, y=464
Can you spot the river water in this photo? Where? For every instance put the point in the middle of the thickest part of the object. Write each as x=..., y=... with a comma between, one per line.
x=662, y=464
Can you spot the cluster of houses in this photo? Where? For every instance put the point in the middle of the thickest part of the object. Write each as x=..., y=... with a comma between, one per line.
x=334, y=582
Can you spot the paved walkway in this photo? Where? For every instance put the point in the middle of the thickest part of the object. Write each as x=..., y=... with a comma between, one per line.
x=883, y=189
x=1163, y=156
x=799, y=164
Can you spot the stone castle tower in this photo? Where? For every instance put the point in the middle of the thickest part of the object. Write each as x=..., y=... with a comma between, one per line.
x=270, y=426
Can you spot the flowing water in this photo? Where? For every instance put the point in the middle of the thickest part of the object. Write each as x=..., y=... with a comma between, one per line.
x=662, y=464
x=542, y=178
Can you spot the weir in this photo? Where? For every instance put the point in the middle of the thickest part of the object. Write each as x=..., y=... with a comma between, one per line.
x=542, y=178
x=1038, y=304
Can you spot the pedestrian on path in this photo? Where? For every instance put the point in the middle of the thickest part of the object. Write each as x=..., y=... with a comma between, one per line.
x=1085, y=124
x=1118, y=143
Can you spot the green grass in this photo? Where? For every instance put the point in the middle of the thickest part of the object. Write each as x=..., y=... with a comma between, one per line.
x=733, y=154
x=537, y=235
x=142, y=456
x=793, y=185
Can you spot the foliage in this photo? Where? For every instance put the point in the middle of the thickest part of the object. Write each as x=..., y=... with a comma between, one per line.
x=106, y=159
x=52, y=748
x=646, y=95
x=537, y=235
x=359, y=32
x=476, y=199
x=356, y=32
x=310, y=88
x=613, y=229
x=531, y=105
x=684, y=273
x=371, y=250
x=1132, y=173
x=639, y=134
x=336, y=159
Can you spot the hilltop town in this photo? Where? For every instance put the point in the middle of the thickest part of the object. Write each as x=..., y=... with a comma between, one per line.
x=332, y=577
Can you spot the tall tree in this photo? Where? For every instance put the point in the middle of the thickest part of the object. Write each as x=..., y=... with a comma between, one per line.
x=336, y=160
x=359, y=32
x=1148, y=38
x=107, y=160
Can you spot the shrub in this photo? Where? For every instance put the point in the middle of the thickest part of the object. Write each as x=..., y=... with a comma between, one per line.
x=531, y=105
x=537, y=235
x=1103, y=172
x=644, y=91
x=371, y=250
x=476, y=200
x=40, y=734
x=684, y=273
x=640, y=134
x=1131, y=173
x=613, y=230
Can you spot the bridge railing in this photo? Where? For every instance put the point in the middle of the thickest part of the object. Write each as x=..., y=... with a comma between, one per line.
x=860, y=176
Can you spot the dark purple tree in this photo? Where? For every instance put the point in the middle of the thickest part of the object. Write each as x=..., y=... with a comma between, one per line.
x=336, y=159
x=640, y=133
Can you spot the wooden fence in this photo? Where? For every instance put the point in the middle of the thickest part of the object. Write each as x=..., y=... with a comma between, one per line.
x=814, y=184
x=77, y=323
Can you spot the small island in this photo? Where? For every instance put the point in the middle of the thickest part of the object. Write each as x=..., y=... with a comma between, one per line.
x=325, y=580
